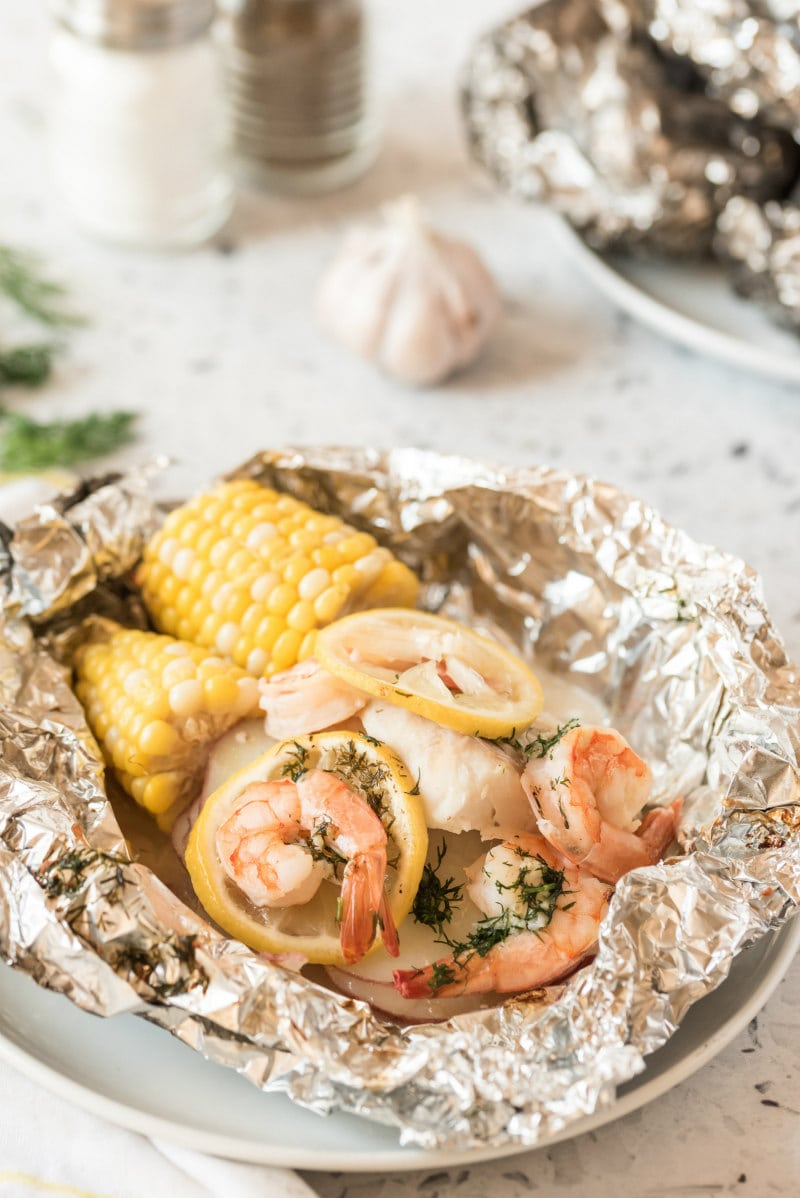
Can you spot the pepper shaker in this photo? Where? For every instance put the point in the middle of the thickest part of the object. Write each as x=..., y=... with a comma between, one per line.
x=137, y=131
x=298, y=102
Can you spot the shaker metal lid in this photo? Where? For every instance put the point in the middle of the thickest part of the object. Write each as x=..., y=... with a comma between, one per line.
x=135, y=24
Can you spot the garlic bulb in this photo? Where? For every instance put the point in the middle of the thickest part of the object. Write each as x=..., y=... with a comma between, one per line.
x=418, y=304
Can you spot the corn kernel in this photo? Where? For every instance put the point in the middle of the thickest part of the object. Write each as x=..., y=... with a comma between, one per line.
x=313, y=584
x=263, y=585
x=256, y=662
x=220, y=693
x=284, y=651
x=250, y=620
x=281, y=599
x=239, y=563
x=159, y=739
x=227, y=636
x=346, y=576
x=328, y=605
x=247, y=696
x=162, y=790
x=263, y=533
x=185, y=698
x=301, y=617
x=307, y=645
x=296, y=569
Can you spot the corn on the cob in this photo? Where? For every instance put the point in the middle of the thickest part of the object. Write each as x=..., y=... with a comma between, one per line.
x=156, y=705
x=253, y=574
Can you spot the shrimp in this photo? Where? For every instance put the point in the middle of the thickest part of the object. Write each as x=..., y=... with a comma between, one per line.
x=307, y=698
x=541, y=919
x=260, y=850
x=465, y=783
x=588, y=792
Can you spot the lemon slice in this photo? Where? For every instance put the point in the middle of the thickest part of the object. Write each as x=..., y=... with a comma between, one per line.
x=435, y=667
x=311, y=929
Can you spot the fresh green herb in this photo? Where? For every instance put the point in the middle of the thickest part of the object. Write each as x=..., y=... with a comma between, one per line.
x=436, y=897
x=296, y=763
x=415, y=789
x=511, y=740
x=321, y=850
x=366, y=776
x=22, y=281
x=543, y=746
x=27, y=444
x=29, y=365
x=539, y=899
x=442, y=974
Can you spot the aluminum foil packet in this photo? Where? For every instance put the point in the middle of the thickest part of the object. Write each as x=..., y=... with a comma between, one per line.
x=748, y=51
x=760, y=250
x=672, y=636
x=570, y=104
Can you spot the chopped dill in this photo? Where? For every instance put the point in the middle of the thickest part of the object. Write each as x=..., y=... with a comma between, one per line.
x=540, y=898
x=542, y=746
x=321, y=850
x=366, y=776
x=442, y=975
x=436, y=897
x=415, y=788
x=296, y=766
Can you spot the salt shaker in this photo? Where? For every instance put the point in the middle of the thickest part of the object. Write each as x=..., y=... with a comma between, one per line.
x=299, y=108
x=137, y=131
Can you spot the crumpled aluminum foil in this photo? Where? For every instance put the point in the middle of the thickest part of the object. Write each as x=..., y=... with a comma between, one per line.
x=568, y=104
x=760, y=249
x=747, y=50
x=672, y=635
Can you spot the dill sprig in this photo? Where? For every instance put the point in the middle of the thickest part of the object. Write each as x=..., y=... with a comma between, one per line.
x=296, y=763
x=23, y=282
x=542, y=746
x=27, y=444
x=28, y=365
x=436, y=897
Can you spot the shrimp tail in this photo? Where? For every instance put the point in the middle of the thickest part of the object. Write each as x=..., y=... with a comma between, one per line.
x=445, y=978
x=657, y=829
x=363, y=902
x=418, y=983
x=391, y=941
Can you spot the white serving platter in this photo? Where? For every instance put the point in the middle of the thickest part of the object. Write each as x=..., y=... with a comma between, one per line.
x=692, y=303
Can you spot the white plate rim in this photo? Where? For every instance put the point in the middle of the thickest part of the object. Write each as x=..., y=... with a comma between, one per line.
x=658, y=315
x=401, y=1159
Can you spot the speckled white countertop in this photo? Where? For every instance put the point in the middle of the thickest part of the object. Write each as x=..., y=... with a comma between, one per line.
x=219, y=351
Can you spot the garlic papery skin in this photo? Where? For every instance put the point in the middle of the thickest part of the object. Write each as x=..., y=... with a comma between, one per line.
x=403, y=295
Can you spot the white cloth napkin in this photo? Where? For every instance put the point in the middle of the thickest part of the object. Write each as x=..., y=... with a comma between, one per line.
x=47, y=1145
